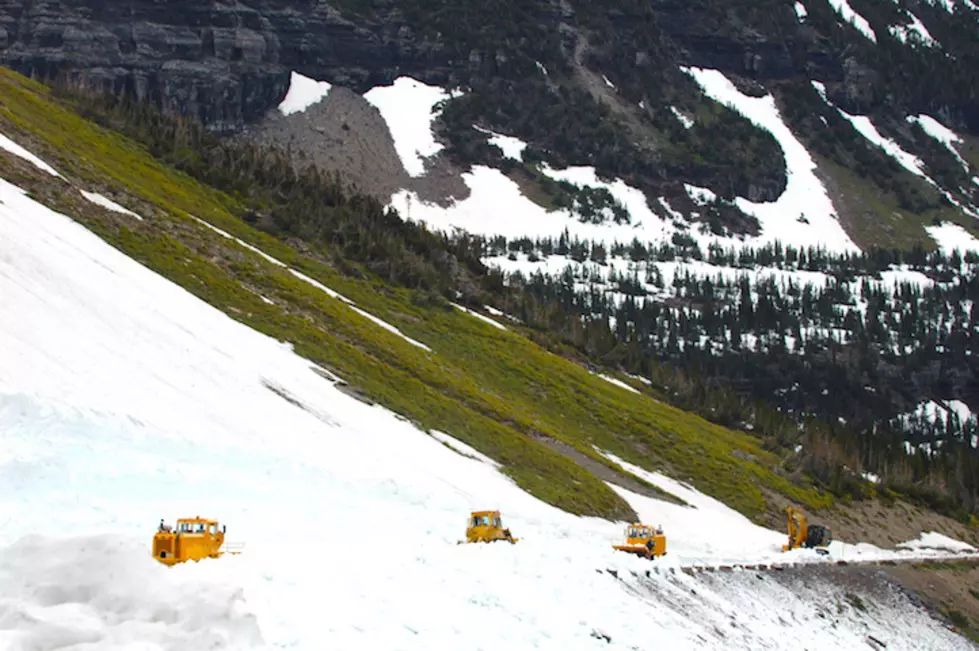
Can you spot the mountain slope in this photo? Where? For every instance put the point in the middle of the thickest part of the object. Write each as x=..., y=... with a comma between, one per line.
x=583, y=83
x=132, y=399
x=492, y=388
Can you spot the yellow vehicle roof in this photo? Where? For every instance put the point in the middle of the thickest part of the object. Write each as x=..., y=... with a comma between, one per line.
x=475, y=513
x=198, y=519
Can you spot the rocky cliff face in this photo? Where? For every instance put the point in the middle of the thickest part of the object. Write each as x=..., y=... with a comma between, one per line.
x=224, y=62
x=540, y=70
x=228, y=62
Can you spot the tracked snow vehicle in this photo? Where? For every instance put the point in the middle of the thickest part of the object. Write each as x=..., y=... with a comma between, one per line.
x=643, y=540
x=192, y=539
x=486, y=526
x=802, y=534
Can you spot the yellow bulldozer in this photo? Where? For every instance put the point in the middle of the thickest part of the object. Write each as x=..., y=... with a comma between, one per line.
x=192, y=539
x=486, y=526
x=643, y=540
x=802, y=534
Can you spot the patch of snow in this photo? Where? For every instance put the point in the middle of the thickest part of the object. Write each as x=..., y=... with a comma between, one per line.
x=607, y=82
x=484, y=319
x=950, y=237
x=318, y=285
x=408, y=107
x=387, y=326
x=511, y=147
x=908, y=161
x=303, y=92
x=947, y=5
x=642, y=379
x=915, y=32
x=540, y=66
x=804, y=194
x=847, y=13
x=941, y=133
x=700, y=196
x=463, y=449
x=935, y=540
x=108, y=204
x=631, y=198
x=867, y=129
x=618, y=383
x=940, y=412
x=15, y=149
x=871, y=477
x=961, y=409
x=800, y=11
x=684, y=120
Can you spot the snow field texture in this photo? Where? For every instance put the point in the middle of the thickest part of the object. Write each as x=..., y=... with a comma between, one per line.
x=153, y=404
x=406, y=105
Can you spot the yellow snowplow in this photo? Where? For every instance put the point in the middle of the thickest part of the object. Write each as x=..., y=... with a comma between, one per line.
x=802, y=534
x=643, y=540
x=191, y=540
x=486, y=526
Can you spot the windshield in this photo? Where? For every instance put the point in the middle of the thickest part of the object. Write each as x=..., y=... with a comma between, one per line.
x=190, y=527
x=486, y=521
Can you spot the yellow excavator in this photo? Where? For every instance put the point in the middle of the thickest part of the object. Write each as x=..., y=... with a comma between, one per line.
x=802, y=534
x=643, y=540
x=192, y=539
x=486, y=526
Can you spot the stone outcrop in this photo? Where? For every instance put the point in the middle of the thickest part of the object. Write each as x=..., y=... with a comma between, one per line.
x=224, y=62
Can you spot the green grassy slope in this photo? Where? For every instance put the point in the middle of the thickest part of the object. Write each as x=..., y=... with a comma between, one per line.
x=493, y=389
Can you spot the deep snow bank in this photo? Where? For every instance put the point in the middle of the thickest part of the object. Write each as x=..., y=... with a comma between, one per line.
x=102, y=592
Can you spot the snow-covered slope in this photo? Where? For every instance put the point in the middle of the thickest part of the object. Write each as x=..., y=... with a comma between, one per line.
x=124, y=399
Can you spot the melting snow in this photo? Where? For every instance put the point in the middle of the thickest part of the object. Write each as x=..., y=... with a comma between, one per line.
x=619, y=383
x=908, y=161
x=915, y=32
x=866, y=128
x=846, y=12
x=804, y=194
x=303, y=92
x=684, y=120
x=511, y=147
x=484, y=319
x=17, y=150
x=463, y=449
x=934, y=540
x=800, y=11
x=950, y=236
x=99, y=200
x=941, y=133
x=408, y=107
x=318, y=285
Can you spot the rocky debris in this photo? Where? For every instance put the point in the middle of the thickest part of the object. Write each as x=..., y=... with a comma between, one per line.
x=344, y=133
